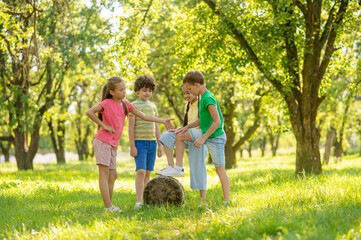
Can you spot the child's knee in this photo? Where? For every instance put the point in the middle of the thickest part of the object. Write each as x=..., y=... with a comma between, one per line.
x=113, y=174
x=181, y=136
x=141, y=172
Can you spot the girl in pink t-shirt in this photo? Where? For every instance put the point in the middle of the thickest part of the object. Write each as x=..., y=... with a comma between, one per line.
x=112, y=112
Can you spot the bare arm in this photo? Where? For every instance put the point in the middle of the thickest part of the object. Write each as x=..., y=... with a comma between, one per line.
x=157, y=136
x=215, y=124
x=151, y=118
x=133, y=149
x=91, y=114
x=185, y=128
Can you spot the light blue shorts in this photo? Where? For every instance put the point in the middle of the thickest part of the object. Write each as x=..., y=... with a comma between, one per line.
x=215, y=146
x=197, y=160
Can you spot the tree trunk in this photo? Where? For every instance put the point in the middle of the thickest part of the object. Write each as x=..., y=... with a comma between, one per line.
x=329, y=140
x=230, y=156
x=6, y=151
x=249, y=149
x=308, y=159
x=274, y=139
x=263, y=145
x=57, y=140
x=337, y=153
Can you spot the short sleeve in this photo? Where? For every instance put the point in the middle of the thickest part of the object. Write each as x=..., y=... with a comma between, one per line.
x=155, y=110
x=185, y=108
x=130, y=108
x=209, y=101
x=104, y=104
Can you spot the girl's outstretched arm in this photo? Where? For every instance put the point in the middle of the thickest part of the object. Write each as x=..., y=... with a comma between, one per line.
x=150, y=118
x=91, y=114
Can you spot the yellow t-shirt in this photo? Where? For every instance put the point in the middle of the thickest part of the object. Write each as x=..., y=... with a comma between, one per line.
x=192, y=112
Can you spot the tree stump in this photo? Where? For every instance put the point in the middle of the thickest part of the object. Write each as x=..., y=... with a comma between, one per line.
x=164, y=190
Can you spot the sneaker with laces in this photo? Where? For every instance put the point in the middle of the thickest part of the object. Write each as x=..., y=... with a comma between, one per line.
x=138, y=205
x=113, y=209
x=171, y=172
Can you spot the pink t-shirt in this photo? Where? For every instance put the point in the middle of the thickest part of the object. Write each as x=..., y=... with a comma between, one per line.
x=113, y=115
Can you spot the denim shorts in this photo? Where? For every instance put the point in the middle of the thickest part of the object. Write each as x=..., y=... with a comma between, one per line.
x=215, y=146
x=147, y=152
x=197, y=160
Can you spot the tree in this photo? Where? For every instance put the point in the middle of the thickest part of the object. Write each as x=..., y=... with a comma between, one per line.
x=304, y=36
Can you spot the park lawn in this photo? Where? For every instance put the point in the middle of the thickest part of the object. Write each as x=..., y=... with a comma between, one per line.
x=63, y=202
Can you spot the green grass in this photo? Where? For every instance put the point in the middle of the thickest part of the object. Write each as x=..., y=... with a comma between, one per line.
x=63, y=202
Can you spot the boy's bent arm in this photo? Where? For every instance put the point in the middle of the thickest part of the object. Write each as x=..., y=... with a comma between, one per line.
x=133, y=149
x=215, y=124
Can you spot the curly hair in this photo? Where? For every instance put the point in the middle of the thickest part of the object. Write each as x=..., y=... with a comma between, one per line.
x=144, y=81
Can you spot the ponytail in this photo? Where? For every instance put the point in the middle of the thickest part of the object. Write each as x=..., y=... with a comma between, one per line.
x=185, y=120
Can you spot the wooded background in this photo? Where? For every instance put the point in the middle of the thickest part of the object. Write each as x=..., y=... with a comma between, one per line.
x=276, y=67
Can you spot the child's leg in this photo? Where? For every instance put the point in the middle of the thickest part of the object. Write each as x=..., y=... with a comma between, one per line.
x=104, y=185
x=197, y=167
x=111, y=179
x=203, y=194
x=168, y=141
x=146, y=178
x=139, y=184
x=143, y=148
x=216, y=150
x=223, y=177
x=169, y=155
x=179, y=146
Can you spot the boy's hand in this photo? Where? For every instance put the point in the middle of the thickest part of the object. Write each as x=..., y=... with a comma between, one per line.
x=199, y=142
x=109, y=128
x=160, y=152
x=133, y=151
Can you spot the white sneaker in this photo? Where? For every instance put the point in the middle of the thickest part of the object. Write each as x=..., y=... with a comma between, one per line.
x=138, y=205
x=171, y=172
x=113, y=209
x=160, y=172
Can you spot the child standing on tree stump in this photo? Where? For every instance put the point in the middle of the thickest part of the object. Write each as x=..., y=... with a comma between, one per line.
x=112, y=112
x=211, y=133
x=143, y=135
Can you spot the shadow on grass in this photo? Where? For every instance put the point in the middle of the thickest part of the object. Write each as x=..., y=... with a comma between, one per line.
x=283, y=222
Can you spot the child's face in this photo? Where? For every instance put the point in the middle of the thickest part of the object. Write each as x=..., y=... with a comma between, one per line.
x=144, y=93
x=192, y=88
x=188, y=95
x=119, y=92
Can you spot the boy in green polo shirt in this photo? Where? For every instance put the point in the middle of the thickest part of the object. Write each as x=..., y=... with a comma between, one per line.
x=211, y=132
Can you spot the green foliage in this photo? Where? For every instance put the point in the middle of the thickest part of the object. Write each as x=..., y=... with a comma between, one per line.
x=268, y=203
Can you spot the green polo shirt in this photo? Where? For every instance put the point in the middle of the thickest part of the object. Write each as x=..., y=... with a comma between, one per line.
x=205, y=117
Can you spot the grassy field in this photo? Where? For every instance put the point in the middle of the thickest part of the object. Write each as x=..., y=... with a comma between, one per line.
x=63, y=202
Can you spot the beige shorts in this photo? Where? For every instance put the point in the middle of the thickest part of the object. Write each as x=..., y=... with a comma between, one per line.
x=105, y=154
